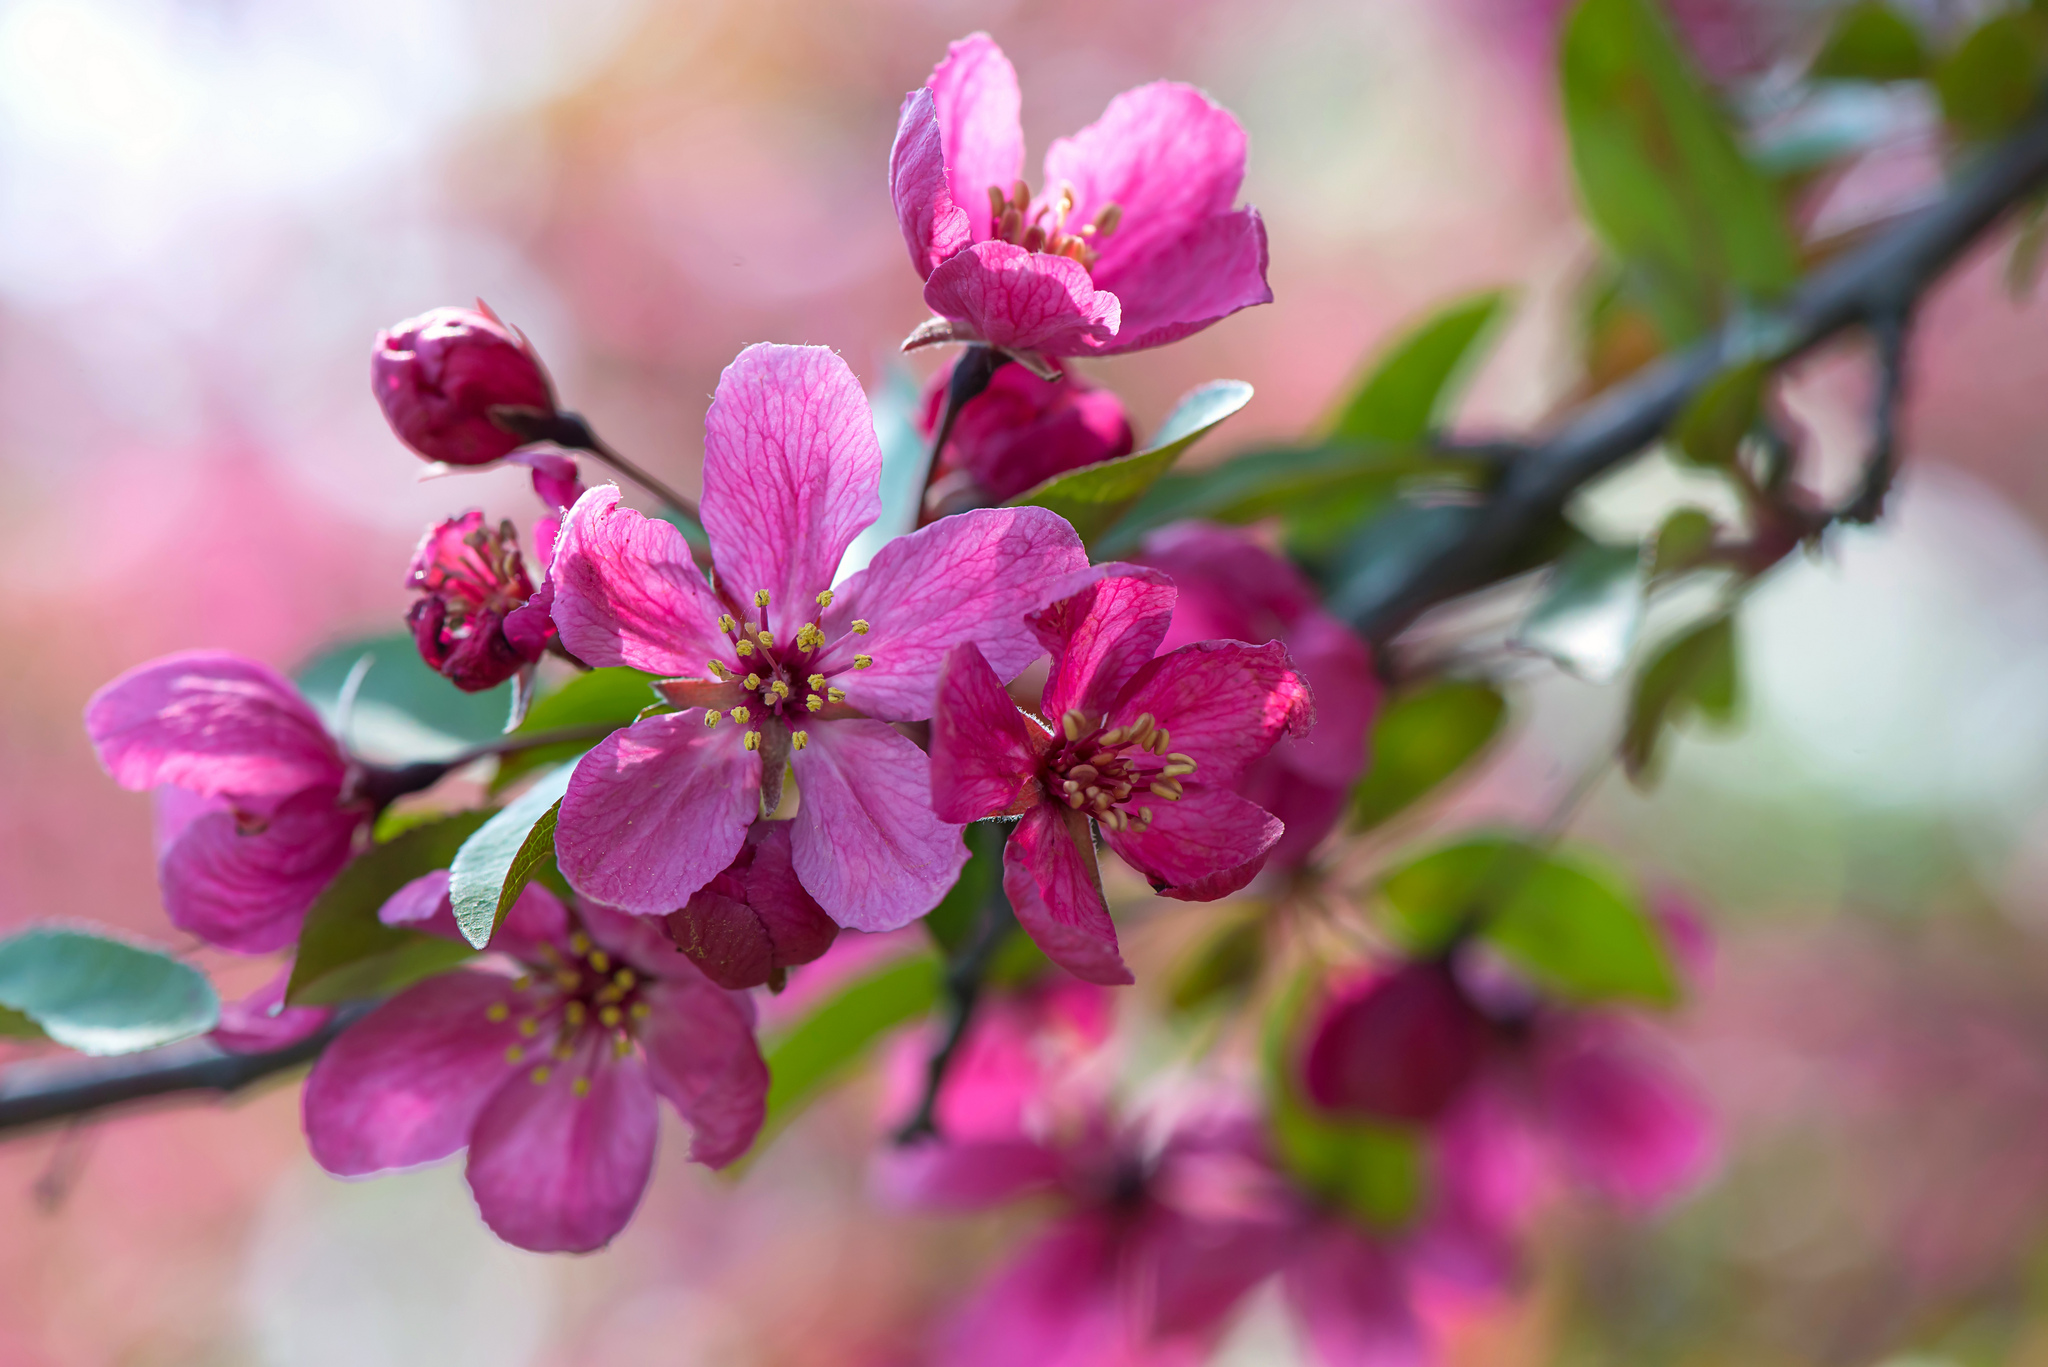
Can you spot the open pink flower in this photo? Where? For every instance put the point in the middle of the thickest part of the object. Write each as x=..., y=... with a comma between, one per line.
x=1231, y=587
x=251, y=822
x=1023, y=430
x=473, y=622
x=776, y=667
x=1147, y=749
x=1133, y=244
x=547, y=1078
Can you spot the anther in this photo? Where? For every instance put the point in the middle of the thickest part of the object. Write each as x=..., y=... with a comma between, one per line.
x=760, y=598
x=1083, y=773
x=743, y=648
x=860, y=626
x=766, y=638
x=713, y=716
x=522, y=982
x=798, y=740
x=726, y=623
x=540, y=1076
x=640, y=1011
x=718, y=670
x=497, y=1012
x=741, y=716
x=513, y=1053
x=1168, y=789
x=623, y=1045
x=609, y=1017
x=1073, y=723
x=529, y=1027
x=1106, y=221
x=836, y=694
x=753, y=740
x=581, y=1086
x=996, y=202
x=564, y=1051
x=575, y=1012
x=580, y=942
x=1178, y=758
x=1034, y=238
x=568, y=979
x=753, y=682
x=815, y=703
x=779, y=689
x=624, y=978
x=863, y=661
x=1145, y=815
x=816, y=681
x=600, y=961
x=825, y=598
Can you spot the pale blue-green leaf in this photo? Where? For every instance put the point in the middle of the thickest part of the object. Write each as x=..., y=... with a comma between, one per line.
x=494, y=866
x=100, y=995
x=1590, y=613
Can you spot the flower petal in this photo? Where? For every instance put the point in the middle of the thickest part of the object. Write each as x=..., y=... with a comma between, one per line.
x=971, y=577
x=404, y=1085
x=535, y=918
x=1351, y=1296
x=1050, y=876
x=1223, y=702
x=753, y=922
x=983, y=757
x=1626, y=1120
x=654, y=811
x=865, y=841
x=1056, y=1304
x=792, y=473
x=627, y=593
x=975, y=88
x=248, y=891
x=1214, y=271
x=1102, y=636
x=934, y=227
x=555, y=1172
x=1207, y=845
x=1024, y=301
x=261, y=1021
x=214, y=723
x=702, y=1056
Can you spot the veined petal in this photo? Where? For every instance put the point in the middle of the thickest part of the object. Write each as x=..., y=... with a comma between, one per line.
x=1206, y=845
x=627, y=593
x=656, y=810
x=1223, y=702
x=934, y=227
x=702, y=1056
x=1024, y=301
x=967, y=578
x=558, y=1172
x=248, y=890
x=978, y=102
x=1176, y=291
x=1050, y=876
x=792, y=473
x=1102, y=636
x=1352, y=1297
x=983, y=755
x=865, y=841
x=212, y=722
x=1165, y=154
x=404, y=1085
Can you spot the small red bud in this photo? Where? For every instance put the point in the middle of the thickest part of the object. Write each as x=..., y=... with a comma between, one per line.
x=438, y=376
x=754, y=922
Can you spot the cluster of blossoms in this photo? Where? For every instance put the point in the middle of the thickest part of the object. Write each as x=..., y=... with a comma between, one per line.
x=814, y=745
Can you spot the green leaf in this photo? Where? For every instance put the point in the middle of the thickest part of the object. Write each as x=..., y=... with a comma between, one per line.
x=1422, y=736
x=1581, y=932
x=1428, y=902
x=1695, y=673
x=603, y=697
x=1710, y=430
x=345, y=952
x=1224, y=965
x=825, y=1045
x=1683, y=542
x=1590, y=612
x=1992, y=79
x=1095, y=496
x=953, y=921
x=1660, y=173
x=102, y=996
x=14, y=1025
x=1387, y=552
x=402, y=708
x=494, y=866
x=1871, y=42
x=1409, y=389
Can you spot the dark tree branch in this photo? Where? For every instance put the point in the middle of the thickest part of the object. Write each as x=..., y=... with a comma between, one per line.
x=1874, y=285
x=964, y=978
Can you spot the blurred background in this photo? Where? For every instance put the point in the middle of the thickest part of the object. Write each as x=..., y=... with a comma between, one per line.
x=209, y=207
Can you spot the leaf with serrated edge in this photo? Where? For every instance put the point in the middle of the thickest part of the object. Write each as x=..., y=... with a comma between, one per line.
x=494, y=865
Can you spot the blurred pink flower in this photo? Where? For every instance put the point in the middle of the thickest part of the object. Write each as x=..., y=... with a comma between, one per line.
x=1231, y=588
x=1398, y=1046
x=548, y=1079
x=1154, y=252
x=808, y=675
x=1111, y=712
x=474, y=623
x=751, y=924
x=250, y=818
x=438, y=376
x=1022, y=430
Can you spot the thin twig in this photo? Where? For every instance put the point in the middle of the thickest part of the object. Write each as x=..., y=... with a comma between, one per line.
x=964, y=978
x=572, y=433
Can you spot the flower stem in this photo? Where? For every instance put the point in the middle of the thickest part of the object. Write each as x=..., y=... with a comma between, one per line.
x=571, y=432
x=972, y=373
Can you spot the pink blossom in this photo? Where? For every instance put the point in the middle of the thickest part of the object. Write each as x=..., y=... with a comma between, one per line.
x=1397, y=1046
x=1147, y=749
x=754, y=922
x=251, y=820
x=1231, y=587
x=775, y=667
x=438, y=376
x=1023, y=430
x=1133, y=244
x=547, y=1078
x=473, y=623
x=261, y=1021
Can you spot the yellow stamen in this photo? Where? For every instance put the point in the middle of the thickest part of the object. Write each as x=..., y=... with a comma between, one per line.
x=600, y=961
x=641, y=1011
x=713, y=716
x=741, y=716
x=564, y=1051
x=743, y=648
x=815, y=703
x=801, y=738
x=766, y=638
x=574, y=1013
x=609, y=1017
x=860, y=626
x=622, y=1046
x=816, y=681
x=513, y=1053
x=836, y=694
x=1073, y=723
x=581, y=1086
x=496, y=1012
x=529, y=1027
x=522, y=982
x=624, y=977
x=580, y=942
x=779, y=689
x=825, y=599
x=760, y=598
x=541, y=1075
x=726, y=623
x=568, y=979
x=753, y=682
x=717, y=670
x=753, y=740
x=863, y=661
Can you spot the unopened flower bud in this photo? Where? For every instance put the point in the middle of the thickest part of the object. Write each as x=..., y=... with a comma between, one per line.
x=1022, y=430
x=754, y=922
x=438, y=376
x=1397, y=1046
x=475, y=623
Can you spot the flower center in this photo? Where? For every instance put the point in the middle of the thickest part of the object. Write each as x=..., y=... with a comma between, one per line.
x=1014, y=222
x=1115, y=774
x=574, y=1012
x=788, y=679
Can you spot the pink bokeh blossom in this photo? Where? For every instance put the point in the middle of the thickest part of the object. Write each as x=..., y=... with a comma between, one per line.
x=1023, y=430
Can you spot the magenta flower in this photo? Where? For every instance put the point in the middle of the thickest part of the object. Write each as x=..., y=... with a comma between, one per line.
x=774, y=666
x=1147, y=749
x=1023, y=430
x=473, y=622
x=548, y=1078
x=754, y=922
x=438, y=376
x=1233, y=588
x=251, y=819
x=1133, y=244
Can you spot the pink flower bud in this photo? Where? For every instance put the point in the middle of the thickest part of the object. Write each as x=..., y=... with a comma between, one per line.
x=1398, y=1046
x=474, y=581
x=754, y=922
x=439, y=375
x=1022, y=430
